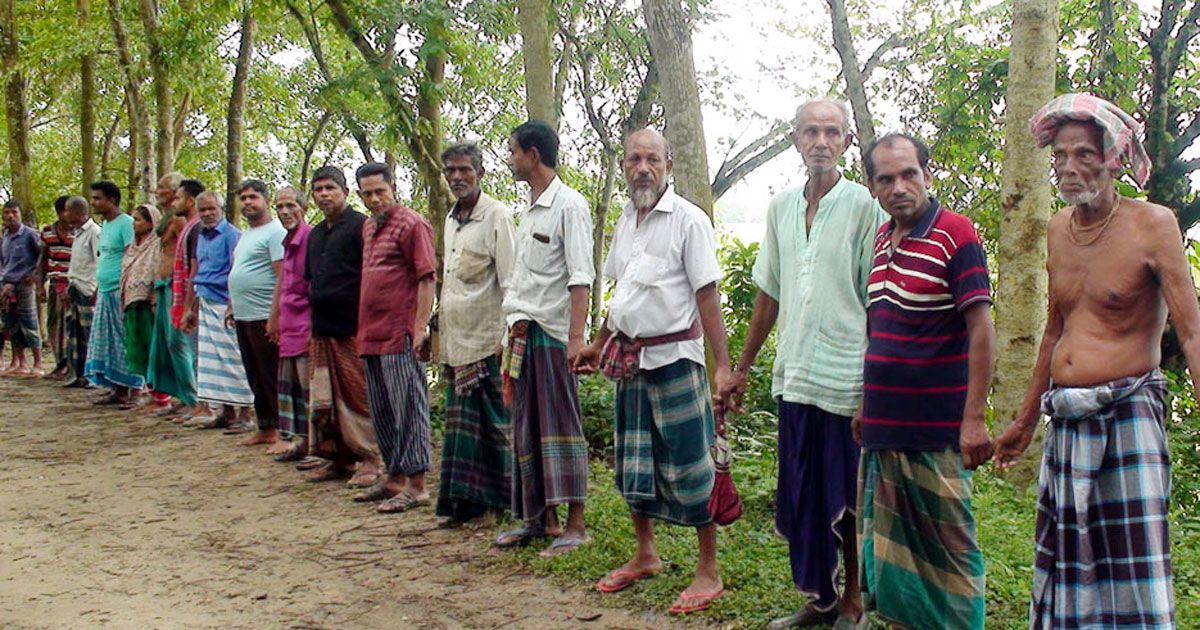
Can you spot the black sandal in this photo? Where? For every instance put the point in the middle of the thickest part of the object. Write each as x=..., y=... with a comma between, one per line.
x=377, y=492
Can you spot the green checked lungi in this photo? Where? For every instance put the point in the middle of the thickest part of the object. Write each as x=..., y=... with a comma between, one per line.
x=664, y=428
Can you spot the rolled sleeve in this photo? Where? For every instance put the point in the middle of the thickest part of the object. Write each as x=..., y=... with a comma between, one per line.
x=577, y=243
x=700, y=255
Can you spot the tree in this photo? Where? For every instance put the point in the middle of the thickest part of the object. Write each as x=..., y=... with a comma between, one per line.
x=864, y=124
x=536, y=50
x=1027, y=204
x=164, y=147
x=236, y=120
x=15, y=112
x=1172, y=93
x=87, y=99
x=142, y=172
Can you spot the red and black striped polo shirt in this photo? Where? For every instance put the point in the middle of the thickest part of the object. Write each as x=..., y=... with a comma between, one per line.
x=58, y=255
x=915, y=373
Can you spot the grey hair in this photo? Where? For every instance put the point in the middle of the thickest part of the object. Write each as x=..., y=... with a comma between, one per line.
x=301, y=198
x=209, y=193
x=77, y=202
x=839, y=104
x=469, y=149
x=173, y=180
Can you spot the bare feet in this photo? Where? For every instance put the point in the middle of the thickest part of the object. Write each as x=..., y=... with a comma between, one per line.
x=270, y=436
x=279, y=447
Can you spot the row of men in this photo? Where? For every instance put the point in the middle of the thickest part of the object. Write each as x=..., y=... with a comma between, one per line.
x=884, y=357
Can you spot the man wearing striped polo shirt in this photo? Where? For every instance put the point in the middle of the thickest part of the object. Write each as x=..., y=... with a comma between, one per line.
x=929, y=359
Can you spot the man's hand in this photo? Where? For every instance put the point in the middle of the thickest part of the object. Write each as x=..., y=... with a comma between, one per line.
x=421, y=345
x=974, y=442
x=7, y=291
x=856, y=426
x=574, y=347
x=273, y=329
x=42, y=296
x=588, y=359
x=1012, y=444
x=229, y=321
x=733, y=390
x=723, y=379
x=188, y=323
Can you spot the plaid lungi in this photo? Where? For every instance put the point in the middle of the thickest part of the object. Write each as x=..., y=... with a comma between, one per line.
x=21, y=318
x=664, y=428
x=56, y=323
x=548, y=442
x=1103, y=554
x=476, y=456
x=293, y=394
x=340, y=426
x=220, y=375
x=78, y=321
x=106, y=362
x=172, y=368
x=920, y=557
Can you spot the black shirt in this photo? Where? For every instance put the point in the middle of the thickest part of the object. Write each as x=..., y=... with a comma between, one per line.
x=333, y=268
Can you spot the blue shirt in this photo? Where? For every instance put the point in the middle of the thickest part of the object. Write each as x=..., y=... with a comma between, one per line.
x=115, y=237
x=19, y=252
x=214, y=260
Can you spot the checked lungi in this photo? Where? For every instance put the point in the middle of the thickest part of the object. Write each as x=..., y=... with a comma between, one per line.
x=816, y=496
x=78, y=322
x=664, y=428
x=920, y=555
x=172, y=368
x=56, y=324
x=340, y=426
x=21, y=318
x=1103, y=554
x=107, y=365
x=398, y=393
x=293, y=394
x=476, y=473
x=220, y=377
x=548, y=442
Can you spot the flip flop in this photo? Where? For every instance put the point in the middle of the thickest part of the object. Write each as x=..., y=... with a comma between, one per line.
x=293, y=454
x=682, y=606
x=311, y=462
x=363, y=480
x=328, y=472
x=562, y=546
x=518, y=537
x=377, y=492
x=621, y=579
x=402, y=502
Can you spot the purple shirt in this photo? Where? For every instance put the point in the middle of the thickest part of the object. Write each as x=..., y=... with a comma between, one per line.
x=295, y=314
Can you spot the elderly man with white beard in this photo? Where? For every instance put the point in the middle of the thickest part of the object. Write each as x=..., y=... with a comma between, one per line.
x=663, y=259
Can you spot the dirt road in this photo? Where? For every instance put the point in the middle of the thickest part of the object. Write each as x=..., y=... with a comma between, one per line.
x=120, y=522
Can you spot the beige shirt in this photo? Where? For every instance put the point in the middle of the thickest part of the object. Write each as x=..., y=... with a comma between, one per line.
x=659, y=265
x=554, y=253
x=476, y=270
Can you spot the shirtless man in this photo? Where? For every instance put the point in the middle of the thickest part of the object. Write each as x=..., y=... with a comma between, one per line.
x=1117, y=268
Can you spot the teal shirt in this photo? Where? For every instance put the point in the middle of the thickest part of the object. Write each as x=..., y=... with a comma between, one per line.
x=252, y=278
x=820, y=282
x=115, y=236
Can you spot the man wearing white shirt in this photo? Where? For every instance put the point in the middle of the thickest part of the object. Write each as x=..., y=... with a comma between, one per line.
x=663, y=259
x=545, y=308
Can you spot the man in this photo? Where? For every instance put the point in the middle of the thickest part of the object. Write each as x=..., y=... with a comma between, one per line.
x=81, y=289
x=341, y=432
x=20, y=248
x=172, y=369
x=928, y=367
x=220, y=375
x=106, y=363
x=398, y=285
x=663, y=259
x=546, y=309
x=1117, y=269
x=479, y=239
x=164, y=193
x=256, y=263
x=811, y=273
x=290, y=324
x=52, y=271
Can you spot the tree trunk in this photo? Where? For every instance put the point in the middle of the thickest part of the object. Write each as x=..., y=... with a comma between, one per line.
x=142, y=174
x=429, y=136
x=671, y=44
x=539, y=60
x=1026, y=198
x=87, y=100
x=843, y=41
x=311, y=146
x=164, y=147
x=16, y=114
x=235, y=124
x=599, y=222
x=110, y=134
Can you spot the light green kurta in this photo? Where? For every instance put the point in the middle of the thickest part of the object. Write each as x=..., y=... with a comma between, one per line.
x=820, y=282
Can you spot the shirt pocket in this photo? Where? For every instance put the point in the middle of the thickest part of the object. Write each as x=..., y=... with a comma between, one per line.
x=542, y=253
x=648, y=270
x=472, y=266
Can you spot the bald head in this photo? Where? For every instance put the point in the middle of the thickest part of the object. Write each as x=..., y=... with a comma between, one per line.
x=822, y=134
x=647, y=163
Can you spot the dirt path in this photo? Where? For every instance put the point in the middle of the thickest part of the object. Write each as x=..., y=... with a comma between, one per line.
x=110, y=521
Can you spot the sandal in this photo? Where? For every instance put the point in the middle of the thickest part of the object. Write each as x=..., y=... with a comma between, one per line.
x=562, y=546
x=328, y=472
x=311, y=462
x=621, y=579
x=363, y=479
x=293, y=454
x=694, y=602
x=402, y=502
x=519, y=537
x=377, y=492
x=807, y=616
x=211, y=424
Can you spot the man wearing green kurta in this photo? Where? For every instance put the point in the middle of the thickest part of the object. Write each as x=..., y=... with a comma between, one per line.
x=811, y=272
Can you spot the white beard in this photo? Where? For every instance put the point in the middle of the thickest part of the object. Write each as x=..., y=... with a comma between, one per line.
x=643, y=197
x=1080, y=198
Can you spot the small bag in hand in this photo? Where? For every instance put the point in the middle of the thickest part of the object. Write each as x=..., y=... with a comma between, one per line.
x=724, y=505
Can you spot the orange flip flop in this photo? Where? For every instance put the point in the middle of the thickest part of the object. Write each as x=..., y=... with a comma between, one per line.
x=620, y=579
x=685, y=605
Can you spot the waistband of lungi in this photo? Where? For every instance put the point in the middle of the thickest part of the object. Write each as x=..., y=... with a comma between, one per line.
x=621, y=355
x=1075, y=403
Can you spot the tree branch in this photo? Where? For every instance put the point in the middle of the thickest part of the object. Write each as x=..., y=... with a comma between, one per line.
x=727, y=176
x=893, y=42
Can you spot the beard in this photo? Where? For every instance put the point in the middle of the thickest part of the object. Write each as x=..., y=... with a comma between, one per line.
x=645, y=195
x=1081, y=198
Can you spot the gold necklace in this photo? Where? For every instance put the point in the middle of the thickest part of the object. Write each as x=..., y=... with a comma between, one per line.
x=1075, y=226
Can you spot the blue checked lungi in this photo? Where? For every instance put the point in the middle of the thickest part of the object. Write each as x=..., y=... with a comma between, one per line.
x=21, y=318
x=220, y=375
x=106, y=365
x=1103, y=554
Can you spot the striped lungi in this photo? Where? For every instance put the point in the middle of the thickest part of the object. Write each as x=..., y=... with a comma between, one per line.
x=476, y=473
x=920, y=555
x=1103, y=553
x=56, y=324
x=21, y=318
x=220, y=377
x=106, y=361
x=172, y=368
x=293, y=394
x=664, y=428
x=548, y=442
x=398, y=393
x=80, y=309
x=340, y=426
